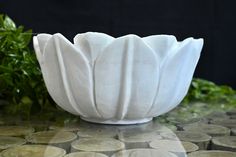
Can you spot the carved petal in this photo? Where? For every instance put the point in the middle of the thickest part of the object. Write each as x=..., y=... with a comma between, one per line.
x=39, y=45
x=161, y=45
x=126, y=78
x=91, y=44
x=176, y=75
x=68, y=77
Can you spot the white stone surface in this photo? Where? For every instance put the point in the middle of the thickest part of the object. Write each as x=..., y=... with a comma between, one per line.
x=117, y=80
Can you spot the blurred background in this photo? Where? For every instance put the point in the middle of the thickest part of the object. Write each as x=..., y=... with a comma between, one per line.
x=213, y=20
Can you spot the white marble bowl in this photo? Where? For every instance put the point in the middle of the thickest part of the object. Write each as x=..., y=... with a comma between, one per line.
x=121, y=80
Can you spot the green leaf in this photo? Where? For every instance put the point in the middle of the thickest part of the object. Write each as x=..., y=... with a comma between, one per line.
x=4, y=69
x=8, y=23
x=1, y=21
x=6, y=79
x=26, y=37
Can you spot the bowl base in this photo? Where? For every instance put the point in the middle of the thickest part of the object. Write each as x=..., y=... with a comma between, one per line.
x=117, y=122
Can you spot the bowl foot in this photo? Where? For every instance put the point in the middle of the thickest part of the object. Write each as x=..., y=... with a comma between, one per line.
x=117, y=122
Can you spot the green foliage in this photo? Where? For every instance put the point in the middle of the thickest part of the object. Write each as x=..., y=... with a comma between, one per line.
x=21, y=82
x=206, y=91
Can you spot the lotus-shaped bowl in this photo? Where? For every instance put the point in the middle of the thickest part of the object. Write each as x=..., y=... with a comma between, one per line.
x=121, y=80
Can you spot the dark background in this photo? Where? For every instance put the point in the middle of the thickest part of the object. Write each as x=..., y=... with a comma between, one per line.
x=213, y=20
